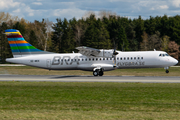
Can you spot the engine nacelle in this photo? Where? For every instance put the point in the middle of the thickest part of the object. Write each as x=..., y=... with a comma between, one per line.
x=91, y=52
x=105, y=53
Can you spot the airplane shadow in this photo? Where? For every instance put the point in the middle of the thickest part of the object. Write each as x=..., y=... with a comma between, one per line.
x=68, y=76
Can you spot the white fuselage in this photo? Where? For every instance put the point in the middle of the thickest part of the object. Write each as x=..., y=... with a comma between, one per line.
x=77, y=61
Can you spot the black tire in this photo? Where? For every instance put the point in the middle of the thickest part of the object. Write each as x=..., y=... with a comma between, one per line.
x=101, y=73
x=167, y=71
x=95, y=73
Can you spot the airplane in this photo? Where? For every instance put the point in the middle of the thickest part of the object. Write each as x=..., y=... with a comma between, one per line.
x=87, y=59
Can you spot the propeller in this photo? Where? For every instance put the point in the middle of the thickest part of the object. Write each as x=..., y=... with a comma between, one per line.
x=114, y=53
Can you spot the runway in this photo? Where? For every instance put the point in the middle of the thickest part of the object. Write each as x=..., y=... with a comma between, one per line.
x=56, y=78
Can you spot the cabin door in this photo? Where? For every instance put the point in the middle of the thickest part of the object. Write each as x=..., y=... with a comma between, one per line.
x=48, y=63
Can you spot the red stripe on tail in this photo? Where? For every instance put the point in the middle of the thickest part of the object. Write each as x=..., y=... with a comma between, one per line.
x=14, y=36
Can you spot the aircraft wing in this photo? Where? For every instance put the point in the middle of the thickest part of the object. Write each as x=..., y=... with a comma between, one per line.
x=87, y=51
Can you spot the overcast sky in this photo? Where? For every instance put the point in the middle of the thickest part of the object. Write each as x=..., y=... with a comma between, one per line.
x=37, y=9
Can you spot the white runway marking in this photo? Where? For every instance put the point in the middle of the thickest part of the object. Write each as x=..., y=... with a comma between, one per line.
x=55, y=78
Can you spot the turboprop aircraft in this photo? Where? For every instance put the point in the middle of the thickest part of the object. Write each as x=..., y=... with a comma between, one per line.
x=88, y=59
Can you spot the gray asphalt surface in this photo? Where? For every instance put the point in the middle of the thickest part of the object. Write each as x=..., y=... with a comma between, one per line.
x=56, y=78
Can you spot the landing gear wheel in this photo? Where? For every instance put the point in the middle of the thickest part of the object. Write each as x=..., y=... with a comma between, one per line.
x=167, y=71
x=95, y=73
x=101, y=73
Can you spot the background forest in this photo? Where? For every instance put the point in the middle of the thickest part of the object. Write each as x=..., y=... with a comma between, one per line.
x=102, y=32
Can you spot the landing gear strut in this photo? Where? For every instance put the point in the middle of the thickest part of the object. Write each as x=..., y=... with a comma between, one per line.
x=99, y=72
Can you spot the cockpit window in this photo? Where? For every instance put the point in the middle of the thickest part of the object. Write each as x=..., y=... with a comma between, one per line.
x=163, y=55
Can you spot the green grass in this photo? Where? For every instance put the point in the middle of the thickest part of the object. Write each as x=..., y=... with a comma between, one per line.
x=27, y=70
x=74, y=101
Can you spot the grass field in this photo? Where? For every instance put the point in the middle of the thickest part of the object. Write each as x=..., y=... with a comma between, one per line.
x=27, y=70
x=89, y=101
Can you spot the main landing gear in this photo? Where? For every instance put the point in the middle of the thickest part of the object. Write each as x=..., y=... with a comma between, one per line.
x=99, y=72
x=166, y=68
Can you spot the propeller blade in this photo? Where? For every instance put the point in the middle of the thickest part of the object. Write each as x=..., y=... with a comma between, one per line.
x=114, y=53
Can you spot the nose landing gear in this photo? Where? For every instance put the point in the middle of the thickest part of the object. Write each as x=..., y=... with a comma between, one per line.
x=166, y=68
x=167, y=71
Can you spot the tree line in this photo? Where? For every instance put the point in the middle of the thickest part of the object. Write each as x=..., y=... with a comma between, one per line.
x=108, y=31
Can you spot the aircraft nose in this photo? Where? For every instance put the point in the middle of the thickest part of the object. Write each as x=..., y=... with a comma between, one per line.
x=175, y=61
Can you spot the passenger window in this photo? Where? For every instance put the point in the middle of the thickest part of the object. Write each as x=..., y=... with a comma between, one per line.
x=160, y=55
x=78, y=59
x=138, y=58
x=135, y=58
x=82, y=59
x=89, y=59
x=124, y=58
x=100, y=59
x=86, y=59
x=142, y=58
x=96, y=59
x=110, y=58
x=103, y=58
x=128, y=58
x=131, y=58
x=121, y=58
x=93, y=59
